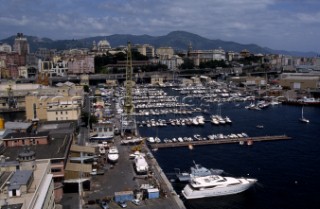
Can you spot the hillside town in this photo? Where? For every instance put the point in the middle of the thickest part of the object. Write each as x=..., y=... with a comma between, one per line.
x=68, y=130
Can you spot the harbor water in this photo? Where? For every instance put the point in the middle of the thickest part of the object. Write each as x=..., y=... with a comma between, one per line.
x=287, y=171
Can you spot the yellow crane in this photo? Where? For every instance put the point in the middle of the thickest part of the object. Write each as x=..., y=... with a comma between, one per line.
x=128, y=122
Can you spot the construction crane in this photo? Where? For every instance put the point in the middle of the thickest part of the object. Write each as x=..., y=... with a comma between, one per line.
x=11, y=101
x=128, y=121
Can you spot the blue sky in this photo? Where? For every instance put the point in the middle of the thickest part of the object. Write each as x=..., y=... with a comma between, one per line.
x=277, y=24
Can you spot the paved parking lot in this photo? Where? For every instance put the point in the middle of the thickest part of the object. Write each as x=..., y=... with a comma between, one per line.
x=122, y=177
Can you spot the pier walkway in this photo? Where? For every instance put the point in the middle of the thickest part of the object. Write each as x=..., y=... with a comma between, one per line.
x=247, y=140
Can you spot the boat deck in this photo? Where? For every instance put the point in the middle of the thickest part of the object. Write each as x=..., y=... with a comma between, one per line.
x=247, y=140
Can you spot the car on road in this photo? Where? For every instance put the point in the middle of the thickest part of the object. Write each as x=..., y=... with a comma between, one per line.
x=122, y=204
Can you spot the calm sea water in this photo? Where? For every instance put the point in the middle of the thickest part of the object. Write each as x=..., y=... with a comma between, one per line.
x=288, y=171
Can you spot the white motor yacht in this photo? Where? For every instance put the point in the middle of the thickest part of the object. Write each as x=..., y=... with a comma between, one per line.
x=215, y=185
x=141, y=165
x=113, y=154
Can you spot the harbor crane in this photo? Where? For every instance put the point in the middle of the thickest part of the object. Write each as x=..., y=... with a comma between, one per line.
x=128, y=121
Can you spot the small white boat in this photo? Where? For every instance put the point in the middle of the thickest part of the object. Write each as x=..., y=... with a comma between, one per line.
x=180, y=139
x=150, y=139
x=228, y=120
x=303, y=119
x=157, y=139
x=197, y=137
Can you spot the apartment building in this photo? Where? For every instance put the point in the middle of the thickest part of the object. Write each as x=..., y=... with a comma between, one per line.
x=26, y=183
x=300, y=81
x=48, y=141
x=145, y=49
x=37, y=97
x=53, y=68
x=53, y=108
x=5, y=47
x=81, y=64
x=199, y=56
x=164, y=52
x=21, y=46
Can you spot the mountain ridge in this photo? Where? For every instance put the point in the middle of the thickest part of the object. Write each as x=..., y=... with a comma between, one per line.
x=178, y=40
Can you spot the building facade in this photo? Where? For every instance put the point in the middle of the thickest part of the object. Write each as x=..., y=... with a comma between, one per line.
x=199, y=56
x=81, y=64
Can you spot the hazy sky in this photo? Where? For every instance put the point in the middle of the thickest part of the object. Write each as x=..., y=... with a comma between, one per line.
x=278, y=24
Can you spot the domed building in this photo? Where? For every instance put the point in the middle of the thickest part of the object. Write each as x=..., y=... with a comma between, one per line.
x=103, y=46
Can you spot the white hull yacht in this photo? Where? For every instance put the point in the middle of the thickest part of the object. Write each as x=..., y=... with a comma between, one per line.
x=215, y=185
x=113, y=154
x=141, y=165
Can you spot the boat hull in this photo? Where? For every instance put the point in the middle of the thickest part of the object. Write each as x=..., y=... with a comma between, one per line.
x=101, y=138
x=113, y=158
x=190, y=193
x=141, y=165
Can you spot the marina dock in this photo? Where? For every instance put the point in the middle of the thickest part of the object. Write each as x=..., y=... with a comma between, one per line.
x=247, y=140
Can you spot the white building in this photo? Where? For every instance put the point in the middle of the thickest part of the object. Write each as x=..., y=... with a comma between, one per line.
x=145, y=49
x=199, y=56
x=5, y=48
x=164, y=52
x=52, y=69
x=173, y=63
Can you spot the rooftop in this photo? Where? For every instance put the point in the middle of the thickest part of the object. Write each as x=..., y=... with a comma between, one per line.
x=17, y=125
x=19, y=178
x=58, y=147
x=25, y=135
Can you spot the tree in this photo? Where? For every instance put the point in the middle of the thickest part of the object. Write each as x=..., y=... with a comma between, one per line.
x=187, y=64
x=85, y=117
x=86, y=88
x=213, y=64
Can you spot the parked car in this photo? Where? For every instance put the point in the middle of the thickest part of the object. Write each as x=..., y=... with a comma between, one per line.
x=136, y=201
x=122, y=204
x=104, y=205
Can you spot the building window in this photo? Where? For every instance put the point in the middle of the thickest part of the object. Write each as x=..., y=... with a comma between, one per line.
x=34, y=110
x=61, y=113
x=66, y=113
x=56, y=113
x=54, y=170
x=56, y=118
